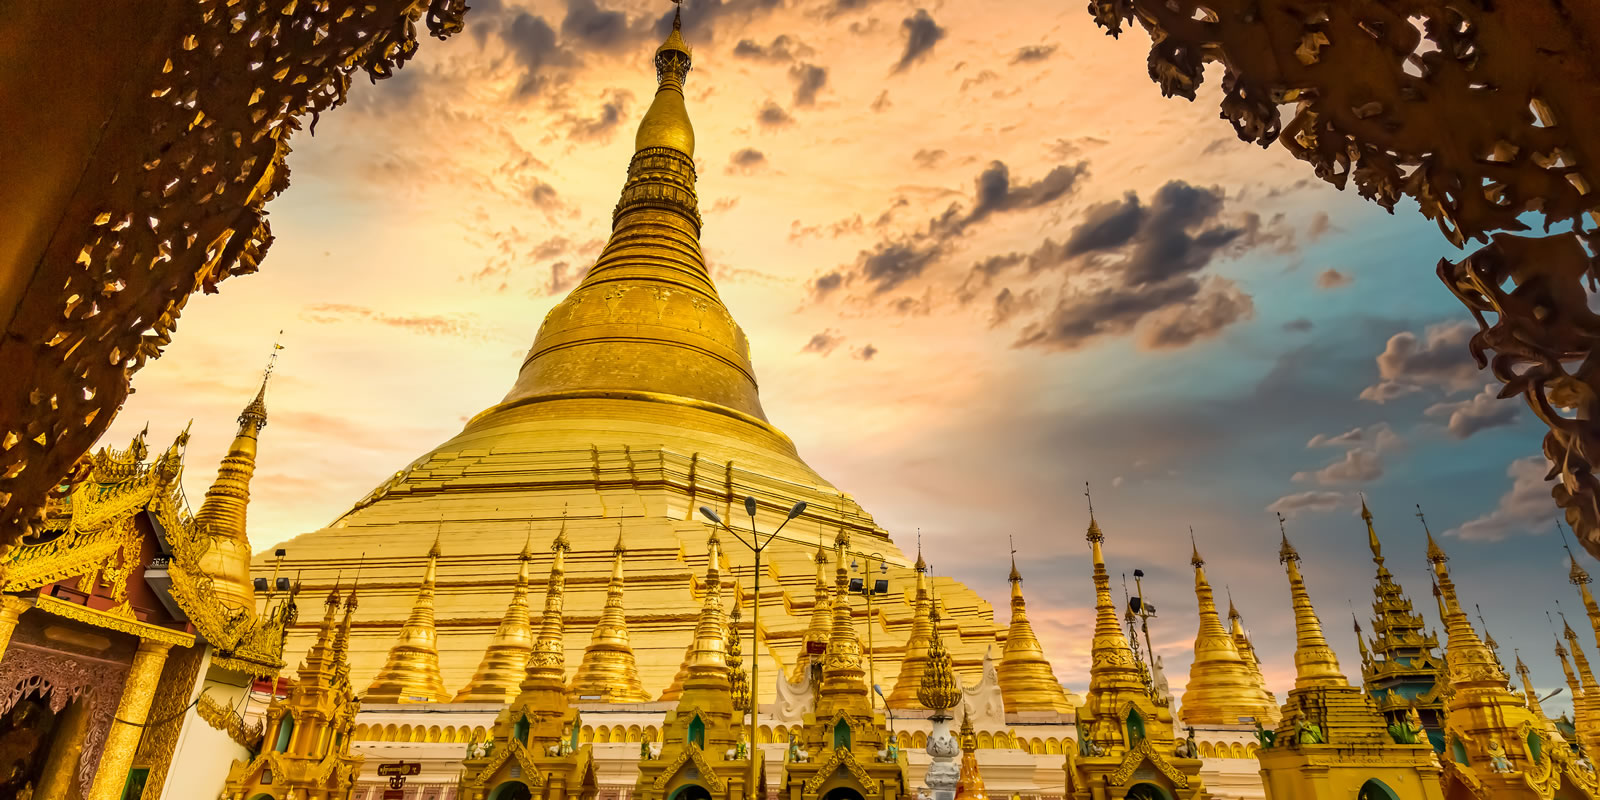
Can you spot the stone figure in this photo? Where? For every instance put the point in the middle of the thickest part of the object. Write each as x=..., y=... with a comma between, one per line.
x=1497, y=756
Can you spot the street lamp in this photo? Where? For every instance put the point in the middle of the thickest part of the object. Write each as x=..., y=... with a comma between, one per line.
x=879, y=586
x=756, y=545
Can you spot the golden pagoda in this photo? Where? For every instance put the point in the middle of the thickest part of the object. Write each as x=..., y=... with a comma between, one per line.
x=844, y=744
x=1247, y=653
x=1027, y=683
x=533, y=750
x=306, y=751
x=915, y=661
x=970, y=785
x=1584, y=728
x=506, y=659
x=607, y=673
x=1333, y=742
x=1125, y=738
x=636, y=404
x=1495, y=746
x=221, y=518
x=820, y=626
x=411, y=675
x=1223, y=689
x=703, y=741
x=1402, y=670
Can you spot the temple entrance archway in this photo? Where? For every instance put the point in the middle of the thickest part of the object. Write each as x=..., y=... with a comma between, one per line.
x=1147, y=791
x=26, y=733
x=842, y=793
x=1376, y=790
x=691, y=791
x=511, y=790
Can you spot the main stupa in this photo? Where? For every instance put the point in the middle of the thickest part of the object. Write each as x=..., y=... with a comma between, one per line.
x=636, y=405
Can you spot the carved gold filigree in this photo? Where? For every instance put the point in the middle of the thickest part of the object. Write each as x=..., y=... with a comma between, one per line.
x=1141, y=753
x=160, y=740
x=532, y=774
x=1474, y=110
x=843, y=757
x=691, y=754
x=62, y=678
x=101, y=619
x=228, y=721
x=173, y=202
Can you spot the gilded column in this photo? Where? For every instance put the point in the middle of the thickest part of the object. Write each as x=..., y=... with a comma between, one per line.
x=122, y=740
x=11, y=608
x=61, y=764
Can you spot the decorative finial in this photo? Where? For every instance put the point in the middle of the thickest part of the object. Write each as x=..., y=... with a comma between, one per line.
x=1286, y=552
x=921, y=566
x=1094, y=535
x=1195, y=558
x=1435, y=554
x=619, y=549
x=1579, y=576
x=1365, y=514
x=1233, y=613
x=438, y=533
x=1016, y=577
x=560, y=543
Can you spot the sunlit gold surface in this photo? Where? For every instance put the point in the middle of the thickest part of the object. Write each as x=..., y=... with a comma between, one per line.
x=1247, y=653
x=914, y=664
x=937, y=687
x=1333, y=739
x=221, y=518
x=122, y=740
x=820, y=626
x=411, y=675
x=1315, y=665
x=1108, y=752
x=636, y=404
x=970, y=786
x=1403, y=668
x=607, y=671
x=506, y=659
x=1027, y=683
x=306, y=744
x=1222, y=686
x=1483, y=715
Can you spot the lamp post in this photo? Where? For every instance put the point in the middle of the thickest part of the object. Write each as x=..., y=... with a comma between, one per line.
x=756, y=545
x=879, y=587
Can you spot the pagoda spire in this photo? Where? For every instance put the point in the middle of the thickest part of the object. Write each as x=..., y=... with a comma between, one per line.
x=708, y=655
x=221, y=517
x=938, y=688
x=1403, y=667
x=970, y=784
x=322, y=655
x=844, y=684
x=1222, y=686
x=1580, y=660
x=341, y=642
x=547, y=664
x=1528, y=691
x=504, y=662
x=1112, y=666
x=919, y=645
x=821, y=626
x=1027, y=683
x=411, y=674
x=738, y=679
x=1247, y=653
x=608, y=670
x=1314, y=662
x=1580, y=578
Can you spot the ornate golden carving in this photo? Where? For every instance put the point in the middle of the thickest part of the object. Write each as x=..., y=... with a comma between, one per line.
x=228, y=721
x=1139, y=754
x=845, y=758
x=690, y=753
x=100, y=619
x=1475, y=111
x=62, y=678
x=160, y=737
x=138, y=690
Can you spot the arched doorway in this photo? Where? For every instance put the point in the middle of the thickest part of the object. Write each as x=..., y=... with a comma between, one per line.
x=842, y=793
x=511, y=790
x=1376, y=790
x=1147, y=791
x=26, y=735
x=691, y=791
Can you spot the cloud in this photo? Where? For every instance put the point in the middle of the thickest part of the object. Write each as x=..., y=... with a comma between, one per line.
x=1033, y=52
x=1439, y=359
x=827, y=283
x=1315, y=501
x=1379, y=437
x=1298, y=325
x=1480, y=412
x=600, y=127
x=1359, y=465
x=823, y=343
x=772, y=115
x=808, y=80
x=784, y=48
x=928, y=159
x=1527, y=509
x=1319, y=227
x=746, y=160
x=1221, y=304
x=881, y=102
x=865, y=353
x=890, y=264
x=922, y=33
x=463, y=325
x=598, y=28
x=532, y=43
x=1331, y=278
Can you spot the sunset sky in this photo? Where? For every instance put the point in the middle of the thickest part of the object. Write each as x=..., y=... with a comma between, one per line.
x=980, y=261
